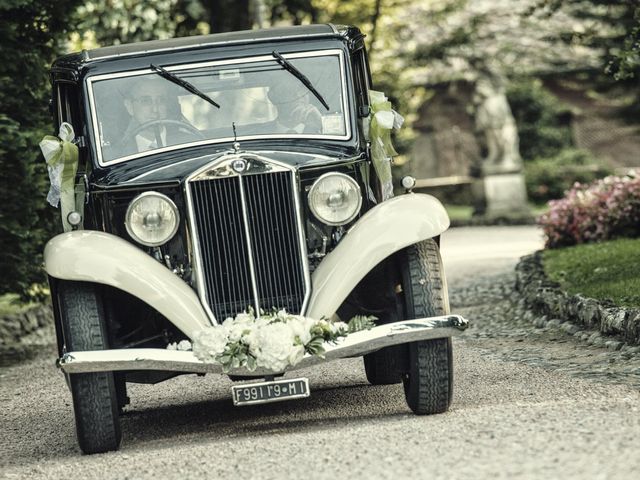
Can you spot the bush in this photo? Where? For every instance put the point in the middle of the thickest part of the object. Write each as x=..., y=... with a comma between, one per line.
x=543, y=123
x=549, y=178
x=602, y=210
x=31, y=34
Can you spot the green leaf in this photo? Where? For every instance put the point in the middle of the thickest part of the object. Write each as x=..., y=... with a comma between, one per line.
x=315, y=347
x=361, y=322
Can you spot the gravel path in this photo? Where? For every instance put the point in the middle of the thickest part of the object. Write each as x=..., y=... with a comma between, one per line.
x=528, y=403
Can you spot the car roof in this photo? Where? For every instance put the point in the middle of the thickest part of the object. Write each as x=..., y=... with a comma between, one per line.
x=217, y=39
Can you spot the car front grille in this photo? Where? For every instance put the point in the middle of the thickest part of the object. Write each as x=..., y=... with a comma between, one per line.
x=249, y=248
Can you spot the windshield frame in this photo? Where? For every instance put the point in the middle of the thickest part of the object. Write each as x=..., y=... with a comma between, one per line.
x=232, y=61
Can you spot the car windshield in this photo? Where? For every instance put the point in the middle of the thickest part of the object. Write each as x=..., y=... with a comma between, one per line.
x=136, y=113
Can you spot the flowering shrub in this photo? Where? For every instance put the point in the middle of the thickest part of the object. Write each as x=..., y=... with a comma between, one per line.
x=597, y=211
x=273, y=341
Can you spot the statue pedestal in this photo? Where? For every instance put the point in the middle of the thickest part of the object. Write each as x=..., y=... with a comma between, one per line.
x=506, y=197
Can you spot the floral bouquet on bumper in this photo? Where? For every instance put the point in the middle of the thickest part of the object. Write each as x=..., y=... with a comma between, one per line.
x=273, y=341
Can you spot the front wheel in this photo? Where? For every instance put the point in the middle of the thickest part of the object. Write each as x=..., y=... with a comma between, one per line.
x=95, y=400
x=428, y=381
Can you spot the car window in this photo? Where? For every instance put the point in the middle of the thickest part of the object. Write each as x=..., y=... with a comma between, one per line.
x=140, y=112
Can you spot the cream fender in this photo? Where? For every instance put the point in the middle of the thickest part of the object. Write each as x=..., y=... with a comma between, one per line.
x=90, y=256
x=383, y=230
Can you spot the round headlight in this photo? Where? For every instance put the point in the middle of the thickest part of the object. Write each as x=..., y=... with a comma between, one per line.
x=335, y=198
x=152, y=219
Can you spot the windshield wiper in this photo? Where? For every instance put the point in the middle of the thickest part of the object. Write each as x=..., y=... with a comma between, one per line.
x=183, y=83
x=288, y=66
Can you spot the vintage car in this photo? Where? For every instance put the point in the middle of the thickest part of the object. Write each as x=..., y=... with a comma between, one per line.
x=233, y=175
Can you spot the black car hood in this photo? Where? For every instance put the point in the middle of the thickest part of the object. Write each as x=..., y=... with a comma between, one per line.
x=176, y=166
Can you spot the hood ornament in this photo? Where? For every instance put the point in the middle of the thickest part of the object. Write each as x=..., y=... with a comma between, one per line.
x=236, y=144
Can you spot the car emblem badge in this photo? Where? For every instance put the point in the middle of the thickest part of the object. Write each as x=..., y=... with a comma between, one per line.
x=239, y=166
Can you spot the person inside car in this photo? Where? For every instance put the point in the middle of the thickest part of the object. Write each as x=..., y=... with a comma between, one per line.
x=296, y=114
x=156, y=119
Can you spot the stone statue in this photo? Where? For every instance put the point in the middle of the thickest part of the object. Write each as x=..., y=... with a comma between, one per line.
x=495, y=123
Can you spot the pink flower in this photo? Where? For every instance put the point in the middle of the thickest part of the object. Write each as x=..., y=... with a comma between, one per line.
x=597, y=211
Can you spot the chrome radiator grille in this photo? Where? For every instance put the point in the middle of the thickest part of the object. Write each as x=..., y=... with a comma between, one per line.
x=249, y=243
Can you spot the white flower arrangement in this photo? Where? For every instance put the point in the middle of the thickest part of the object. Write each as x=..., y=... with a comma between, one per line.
x=273, y=341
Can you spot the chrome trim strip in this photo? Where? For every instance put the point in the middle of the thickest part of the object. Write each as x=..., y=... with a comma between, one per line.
x=196, y=261
x=97, y=141
x=333, y=162
x=353, y=345
x=176, y=68
x=303, y=244
x=225, y=170
x=252, y=267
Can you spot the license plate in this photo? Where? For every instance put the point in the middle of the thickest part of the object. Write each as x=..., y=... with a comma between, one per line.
x=273, y=391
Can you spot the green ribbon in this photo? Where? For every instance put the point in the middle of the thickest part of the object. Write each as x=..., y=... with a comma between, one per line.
x=382, y=120
x=61, y=155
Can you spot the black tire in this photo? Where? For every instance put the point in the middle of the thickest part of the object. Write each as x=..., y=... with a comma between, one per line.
x=428, y=383
x=95, y=401
x=381, y=367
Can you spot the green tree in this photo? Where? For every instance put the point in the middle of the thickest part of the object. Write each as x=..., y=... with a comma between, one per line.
x=620, y=41
x=31, y=32
x=101, y=23
x=110, y=22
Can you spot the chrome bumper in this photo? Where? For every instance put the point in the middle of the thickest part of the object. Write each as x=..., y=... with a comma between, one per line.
x=353, y=345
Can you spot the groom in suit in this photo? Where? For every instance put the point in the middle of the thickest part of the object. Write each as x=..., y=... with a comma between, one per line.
x=149, y=101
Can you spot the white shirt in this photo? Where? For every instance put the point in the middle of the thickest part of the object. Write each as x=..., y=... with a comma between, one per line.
x=144, y=144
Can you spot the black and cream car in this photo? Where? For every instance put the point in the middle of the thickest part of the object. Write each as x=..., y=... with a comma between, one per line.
x=221, y=204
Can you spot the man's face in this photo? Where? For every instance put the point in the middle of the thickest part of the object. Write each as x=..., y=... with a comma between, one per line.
x=148, y=101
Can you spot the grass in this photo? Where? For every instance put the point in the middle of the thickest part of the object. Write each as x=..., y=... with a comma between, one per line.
x=463, y=213
x=459, y=212
x=606, y=270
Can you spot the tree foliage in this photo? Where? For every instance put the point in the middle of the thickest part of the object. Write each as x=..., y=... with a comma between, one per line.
x=31, y=32
x=112, y=22
x=620, y=40
x=453, y=39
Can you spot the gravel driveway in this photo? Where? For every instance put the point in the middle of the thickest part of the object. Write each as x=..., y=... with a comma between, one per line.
x=526, y=405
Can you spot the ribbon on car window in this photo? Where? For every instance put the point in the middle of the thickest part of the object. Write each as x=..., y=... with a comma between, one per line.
x=382, y=120
x=61, y=155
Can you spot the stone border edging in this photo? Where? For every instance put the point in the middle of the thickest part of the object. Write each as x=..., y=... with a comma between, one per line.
x=16, y=326
x=545, y=297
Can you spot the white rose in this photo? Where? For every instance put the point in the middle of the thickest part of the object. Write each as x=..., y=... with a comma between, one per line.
x=301, y=327
x=272, y=345
x=235, y=330
x=184, y=345
x=209, y=343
